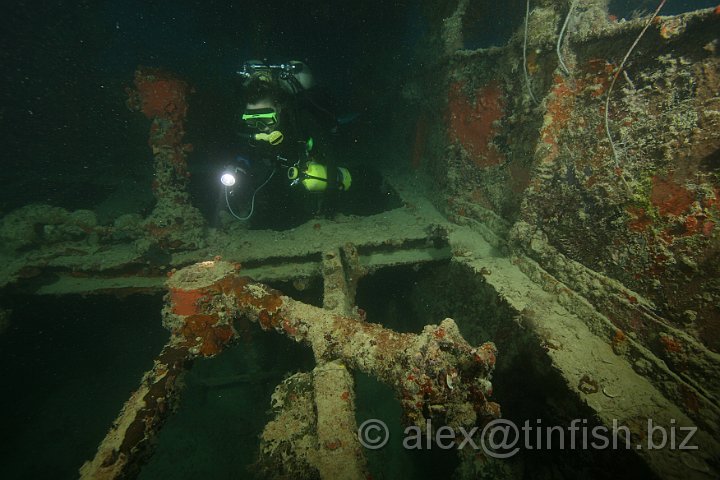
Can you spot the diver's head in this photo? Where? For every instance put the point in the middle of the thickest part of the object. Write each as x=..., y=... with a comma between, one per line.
x=255, y=70
x=262, y=107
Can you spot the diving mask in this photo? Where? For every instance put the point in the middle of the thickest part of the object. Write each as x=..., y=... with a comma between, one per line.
x=261, y=118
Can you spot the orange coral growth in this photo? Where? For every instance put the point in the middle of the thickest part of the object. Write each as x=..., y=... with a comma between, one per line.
x=598, y=75
x=486, y=354
x=161, y=94
x=233, y=285
x=670, y=344
x=698, y=224
x=559, y=106
x=619, y=336
x=708, y=228
x=289, y=328
x=641, y=220
x=472, y=123
x=265, y=319
x=712, y=201
x=692, y=225
x=204, y=331
x=161, y=97
x=184, y=302
x=561, y=103
x=230, y=285
x=619, y=341
x=669, y=197
x=333, y=445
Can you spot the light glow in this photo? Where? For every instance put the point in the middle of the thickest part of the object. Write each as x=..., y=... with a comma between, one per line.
x=227, y=179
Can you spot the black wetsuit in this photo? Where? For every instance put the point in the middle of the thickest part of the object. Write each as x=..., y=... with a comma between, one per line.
x=277, y=204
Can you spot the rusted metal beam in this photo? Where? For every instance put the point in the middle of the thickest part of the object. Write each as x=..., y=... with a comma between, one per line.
x=321, y=440
x=333, y=385
x=116, y=271
x=313, y=433
x=434, y=373
x=131, y=440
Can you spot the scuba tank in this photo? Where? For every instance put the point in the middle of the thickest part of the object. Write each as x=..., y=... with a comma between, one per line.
x=314, y=177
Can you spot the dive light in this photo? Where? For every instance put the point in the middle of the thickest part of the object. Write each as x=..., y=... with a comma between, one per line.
x=228, y=179
x=230, y=176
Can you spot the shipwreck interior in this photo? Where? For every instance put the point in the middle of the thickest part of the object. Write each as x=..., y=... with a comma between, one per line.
x=531, y=239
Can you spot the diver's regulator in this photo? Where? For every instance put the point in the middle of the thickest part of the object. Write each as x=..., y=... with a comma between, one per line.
x=274, y=138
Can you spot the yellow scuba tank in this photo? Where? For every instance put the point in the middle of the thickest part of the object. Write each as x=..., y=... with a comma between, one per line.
x=313, y=176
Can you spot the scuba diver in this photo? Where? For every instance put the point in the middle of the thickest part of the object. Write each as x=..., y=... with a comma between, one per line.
x=282, y=121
